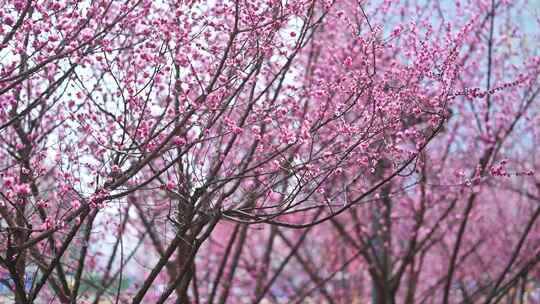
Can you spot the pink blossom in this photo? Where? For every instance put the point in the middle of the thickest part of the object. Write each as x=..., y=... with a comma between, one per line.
x=9, y=20
x=22, y=189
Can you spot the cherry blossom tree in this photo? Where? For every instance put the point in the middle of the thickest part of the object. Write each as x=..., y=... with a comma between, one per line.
x=268, y=151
